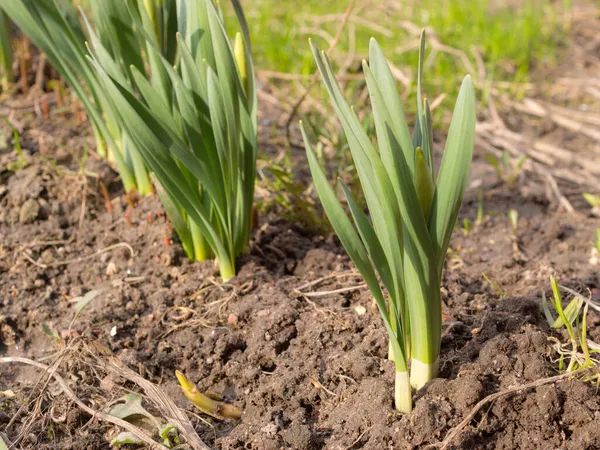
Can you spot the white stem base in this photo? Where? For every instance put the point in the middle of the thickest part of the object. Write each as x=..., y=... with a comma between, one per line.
x=403, y=393
x=421, y=373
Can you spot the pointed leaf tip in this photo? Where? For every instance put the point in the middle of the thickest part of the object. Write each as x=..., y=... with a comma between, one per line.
x=185, y=383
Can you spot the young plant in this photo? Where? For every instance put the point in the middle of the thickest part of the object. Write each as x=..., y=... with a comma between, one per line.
x=506, y=169
x=569, y=318
x=593, y=200
x=412, y=212
x=6, y=52
x=207, y=404
x=194, y=125
x=286, y=195
x=513, y=219
x=54, y=27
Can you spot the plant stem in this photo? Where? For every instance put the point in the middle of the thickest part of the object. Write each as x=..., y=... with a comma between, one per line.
x=202, y=251
x=425, y=306
x=227, y=270
x=6, y=53
x=421, y=373
x=100, y=144
x=403, y=393
x=206, y=404
x=142, y=178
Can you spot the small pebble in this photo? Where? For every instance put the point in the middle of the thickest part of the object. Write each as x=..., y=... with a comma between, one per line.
x=111, y=269
x=360, y=310
x=29, y=211
x=232, y=320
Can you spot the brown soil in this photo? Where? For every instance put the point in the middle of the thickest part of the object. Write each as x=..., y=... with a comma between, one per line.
x=308, y=372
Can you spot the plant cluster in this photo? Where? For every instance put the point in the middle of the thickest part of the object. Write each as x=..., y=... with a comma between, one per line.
x=174, y=100
x=412, y=211
x=169, y=99
x=56, y=29
x=194, y=126
x=582, y=352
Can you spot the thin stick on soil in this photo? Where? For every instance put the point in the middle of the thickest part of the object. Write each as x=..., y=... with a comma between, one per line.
x=83, y=203
x=315, y=76
x=45, y=112
x=162, y=400
x=106, y=195
x=102, y=416
x=328, y=277
x=81, y=259
x=454, y=432
x=23, y=65
x=335, y=291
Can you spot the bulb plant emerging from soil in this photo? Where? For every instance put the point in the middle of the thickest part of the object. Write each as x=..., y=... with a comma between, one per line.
x=194, y=125
x=412, y=212
x=207, y=404
x=55, y=27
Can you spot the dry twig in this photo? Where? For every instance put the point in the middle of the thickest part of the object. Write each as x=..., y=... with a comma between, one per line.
x=454, y=432
x=100, y=415
x=315, y=76
x=80, y=259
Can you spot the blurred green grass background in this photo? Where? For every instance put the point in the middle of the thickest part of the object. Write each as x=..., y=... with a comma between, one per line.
x=511, y=37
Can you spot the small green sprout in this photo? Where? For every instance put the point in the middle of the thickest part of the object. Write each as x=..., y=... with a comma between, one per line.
x=501, y=292
x=506, y=169
x=570, y=318
x=513, y=218
x=467, y=226
x=593, y=200
x=130, y=408
x=204, y=403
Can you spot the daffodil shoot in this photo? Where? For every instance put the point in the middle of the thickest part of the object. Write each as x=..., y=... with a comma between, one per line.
x=401, y=242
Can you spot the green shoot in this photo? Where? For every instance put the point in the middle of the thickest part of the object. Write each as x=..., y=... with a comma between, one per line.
x=406, y=237
x=205, y=403
x=571, y=319
x=513, y=218
x=597, y=239
x=501, y=292
x=6, y=52
x=593, y=200
x=194, y=125
x=467, y=226
x=479, y=219
x=21, y=161
x=506, y=169
x=287, y=196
